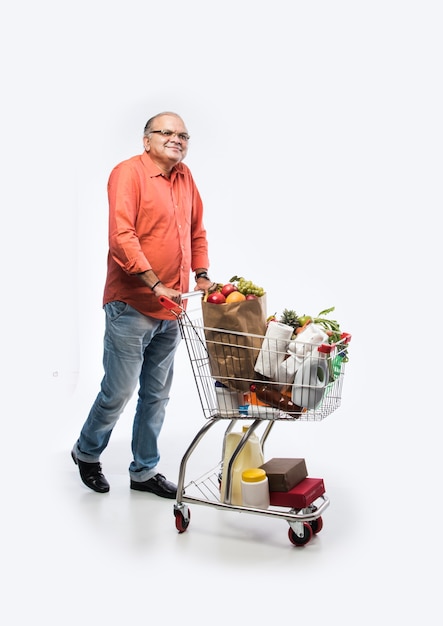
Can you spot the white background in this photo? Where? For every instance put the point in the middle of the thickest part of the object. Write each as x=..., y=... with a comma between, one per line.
x=317, y=147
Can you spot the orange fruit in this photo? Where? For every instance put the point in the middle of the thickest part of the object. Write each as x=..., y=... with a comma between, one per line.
x=235, y=296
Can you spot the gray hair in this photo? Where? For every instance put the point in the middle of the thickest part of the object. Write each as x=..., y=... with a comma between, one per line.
x=150, y=123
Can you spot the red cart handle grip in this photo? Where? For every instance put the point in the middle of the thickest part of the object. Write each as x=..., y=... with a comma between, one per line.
x=346, y=337
x=173, y=306
x=326, y=348
x=170, y=305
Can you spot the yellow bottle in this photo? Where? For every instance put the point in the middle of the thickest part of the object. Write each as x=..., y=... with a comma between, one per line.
x=250, y=456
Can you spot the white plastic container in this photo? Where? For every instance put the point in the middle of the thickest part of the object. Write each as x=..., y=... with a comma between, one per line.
x=255, y=488
x=228, y=401
x=250, y=456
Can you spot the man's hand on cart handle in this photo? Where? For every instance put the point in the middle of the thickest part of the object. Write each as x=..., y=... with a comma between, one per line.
x=173, y=304
x=170, y=305
x=204, y=283
x=161, y=291
x=176, y=307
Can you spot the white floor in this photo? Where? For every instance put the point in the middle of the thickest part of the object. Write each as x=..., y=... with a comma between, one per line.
x=117, y=557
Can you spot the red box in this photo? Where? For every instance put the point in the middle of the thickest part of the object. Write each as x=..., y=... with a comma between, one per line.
x=300, y=496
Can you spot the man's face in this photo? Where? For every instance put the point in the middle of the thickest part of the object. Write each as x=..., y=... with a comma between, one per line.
x=165, y=150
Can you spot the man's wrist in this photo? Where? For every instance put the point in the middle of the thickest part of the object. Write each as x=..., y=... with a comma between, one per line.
x=203, y=274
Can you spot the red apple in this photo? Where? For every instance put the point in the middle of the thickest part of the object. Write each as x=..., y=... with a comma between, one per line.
x=228, y=288
x=216, y=298
x=251, y=296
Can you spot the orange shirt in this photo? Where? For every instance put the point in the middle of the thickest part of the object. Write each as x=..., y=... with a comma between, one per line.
x=154, y=223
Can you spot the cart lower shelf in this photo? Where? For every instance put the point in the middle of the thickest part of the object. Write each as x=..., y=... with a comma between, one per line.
x=303, y=523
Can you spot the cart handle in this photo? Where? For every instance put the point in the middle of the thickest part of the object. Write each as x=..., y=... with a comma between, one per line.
x=346, y=337
x=173, y=306
x=326, y=348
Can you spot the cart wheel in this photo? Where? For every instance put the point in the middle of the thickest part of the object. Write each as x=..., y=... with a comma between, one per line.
x=316, y=525
x=181, y=523
x=301, y=541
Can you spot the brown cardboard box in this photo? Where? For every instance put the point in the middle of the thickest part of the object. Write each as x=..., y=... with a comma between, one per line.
x=284, y=474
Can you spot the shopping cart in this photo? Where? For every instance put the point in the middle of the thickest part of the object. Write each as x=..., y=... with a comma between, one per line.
x=267, y=402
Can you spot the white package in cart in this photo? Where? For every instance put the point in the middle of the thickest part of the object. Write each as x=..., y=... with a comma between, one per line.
x=273, y=351
x=305, y=345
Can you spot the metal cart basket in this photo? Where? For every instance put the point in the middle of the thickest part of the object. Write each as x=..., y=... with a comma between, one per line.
x=316, y=385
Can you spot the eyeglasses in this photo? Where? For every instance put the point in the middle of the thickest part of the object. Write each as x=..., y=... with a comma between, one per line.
x=171, y=133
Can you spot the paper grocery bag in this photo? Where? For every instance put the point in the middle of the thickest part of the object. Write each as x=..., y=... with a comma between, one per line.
x=232, y=355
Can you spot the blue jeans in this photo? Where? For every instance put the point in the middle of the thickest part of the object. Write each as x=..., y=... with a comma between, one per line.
x=139, y=349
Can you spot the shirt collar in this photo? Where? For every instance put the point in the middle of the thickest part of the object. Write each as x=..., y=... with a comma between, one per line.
x=154, y=170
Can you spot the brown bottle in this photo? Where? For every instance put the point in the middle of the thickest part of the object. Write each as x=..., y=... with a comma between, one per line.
x=273, y=397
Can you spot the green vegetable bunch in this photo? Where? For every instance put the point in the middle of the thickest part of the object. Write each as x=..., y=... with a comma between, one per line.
x=329, y=325
x=332, y=327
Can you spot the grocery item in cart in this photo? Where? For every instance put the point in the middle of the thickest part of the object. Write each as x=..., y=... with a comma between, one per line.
x=229, y=401
x=310, y=382
x=284, y=473
x=305, y=345
x=300, y=496
x=255, y=488
x=251, y=456
x=269, y=393
x=293, y=366
x=274, y=349
x=234, y=335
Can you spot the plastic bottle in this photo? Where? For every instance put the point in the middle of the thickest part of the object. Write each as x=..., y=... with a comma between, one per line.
x=228, y=401
x=255, y=488
x=250, y=456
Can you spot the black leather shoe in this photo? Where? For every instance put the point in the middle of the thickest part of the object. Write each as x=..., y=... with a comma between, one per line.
x=158, y=485
x=91, y=474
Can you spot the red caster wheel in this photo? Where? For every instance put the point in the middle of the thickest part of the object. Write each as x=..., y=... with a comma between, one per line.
x=181, y=523
x=301, y=541
x=316, y=525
